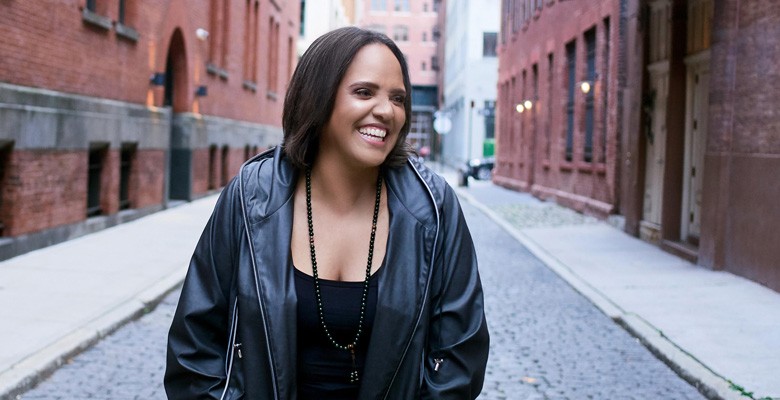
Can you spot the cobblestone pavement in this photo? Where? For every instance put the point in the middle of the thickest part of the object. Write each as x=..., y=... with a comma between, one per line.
x=548, y=342
x=129, y=364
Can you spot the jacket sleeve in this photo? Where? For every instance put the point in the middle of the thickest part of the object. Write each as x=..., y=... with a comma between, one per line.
x=458, y=337
x=198, y=338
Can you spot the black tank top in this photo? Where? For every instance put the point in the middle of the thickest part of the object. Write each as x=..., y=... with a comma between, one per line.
x=323, y=369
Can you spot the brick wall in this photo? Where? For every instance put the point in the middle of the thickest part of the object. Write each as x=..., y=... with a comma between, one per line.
x=742, y=161
x=146, y=182
x=66, y=82
x=38, y=41
x=532, y=145
x=44, y=189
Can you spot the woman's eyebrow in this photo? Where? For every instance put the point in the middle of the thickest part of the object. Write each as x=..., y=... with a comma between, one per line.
x=370, y=85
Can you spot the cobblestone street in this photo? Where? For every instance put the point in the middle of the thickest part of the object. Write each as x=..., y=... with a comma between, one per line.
x=548, y=342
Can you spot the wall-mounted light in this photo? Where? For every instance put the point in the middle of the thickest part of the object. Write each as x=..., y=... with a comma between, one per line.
x=201, y=34
x=524, y=105
x=157, y=79
x=201, y=91
x=586, y=86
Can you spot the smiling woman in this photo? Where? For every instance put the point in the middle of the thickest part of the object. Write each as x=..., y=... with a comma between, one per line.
x=335, y=266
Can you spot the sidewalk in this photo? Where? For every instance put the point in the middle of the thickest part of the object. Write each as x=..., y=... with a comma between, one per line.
x=59, y=300
x=709, y=326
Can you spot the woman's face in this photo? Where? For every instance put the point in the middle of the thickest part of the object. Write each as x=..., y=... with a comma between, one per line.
x=368, y=113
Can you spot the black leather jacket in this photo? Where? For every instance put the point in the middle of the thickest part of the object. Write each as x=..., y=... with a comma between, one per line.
x=234, y=332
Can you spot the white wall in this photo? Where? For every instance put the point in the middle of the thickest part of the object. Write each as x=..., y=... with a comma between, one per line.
x=321, y=16
x=468, y=76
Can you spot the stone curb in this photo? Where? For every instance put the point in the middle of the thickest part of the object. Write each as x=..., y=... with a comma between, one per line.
x=37, y=367
x=710, y=384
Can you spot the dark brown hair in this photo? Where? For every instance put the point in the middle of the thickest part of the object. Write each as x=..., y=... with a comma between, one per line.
x=311, y=94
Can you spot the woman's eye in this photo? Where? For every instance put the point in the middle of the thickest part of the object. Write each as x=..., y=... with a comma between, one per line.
x=363, y=92
x=399, y=99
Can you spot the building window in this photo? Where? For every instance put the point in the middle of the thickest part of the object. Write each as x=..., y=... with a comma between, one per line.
x=212, y=182
x=590, y=48
x=290, y=58
x=400, y=33
x=91, y=5
x=126, y=161
x=5, y=156
x=425, y=7
x=402, y=5
x=435, y=63
x=377, y=28
x=122, y=12
x=489, y=40
x=605, y=91
x=425, y=36
x=420, y=130
x=423, y=66
x=225, y=170
x=571, y=76
x=548, y=109
x=504, y=18
x=96, y=161
x=490, y=119
x=225, y=33
x=378, y=5
x=273, y=56
x=248, y=20
x=303, y=18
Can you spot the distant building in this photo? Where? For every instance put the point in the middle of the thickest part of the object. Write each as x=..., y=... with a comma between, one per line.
x=321, y=16
x=661, y=113
x=112, y=110
x=412, y=25
x=469, y=77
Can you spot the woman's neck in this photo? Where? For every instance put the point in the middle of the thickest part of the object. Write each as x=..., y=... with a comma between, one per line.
x=341, y=186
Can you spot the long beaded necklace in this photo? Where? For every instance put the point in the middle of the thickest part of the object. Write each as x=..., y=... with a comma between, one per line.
x=353, y=376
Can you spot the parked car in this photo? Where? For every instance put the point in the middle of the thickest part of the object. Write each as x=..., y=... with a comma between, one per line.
x=480, y=168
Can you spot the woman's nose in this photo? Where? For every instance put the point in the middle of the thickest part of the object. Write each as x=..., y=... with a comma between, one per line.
x=383, y=109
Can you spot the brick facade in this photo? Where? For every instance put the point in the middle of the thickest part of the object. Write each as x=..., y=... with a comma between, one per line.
x=37, y=190
x=73, y=79
x=692, y=149
x=742, y=160
x=532, y=150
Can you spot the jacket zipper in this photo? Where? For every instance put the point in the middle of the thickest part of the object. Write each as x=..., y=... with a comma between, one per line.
x=427, y=283
x=257, y=284
x=231, y=348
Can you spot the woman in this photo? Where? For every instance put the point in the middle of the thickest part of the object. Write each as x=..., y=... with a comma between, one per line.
x=335, y=266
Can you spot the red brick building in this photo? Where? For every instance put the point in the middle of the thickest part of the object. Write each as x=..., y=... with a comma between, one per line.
x=553, y=139
x=110, y=109
x=679, y=134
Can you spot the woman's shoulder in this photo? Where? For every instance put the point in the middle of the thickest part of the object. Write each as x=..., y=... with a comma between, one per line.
x=420, y=188
x=266, y=181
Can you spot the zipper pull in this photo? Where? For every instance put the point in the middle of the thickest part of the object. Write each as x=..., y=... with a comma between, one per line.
x=237, y=346
x=438, y=362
